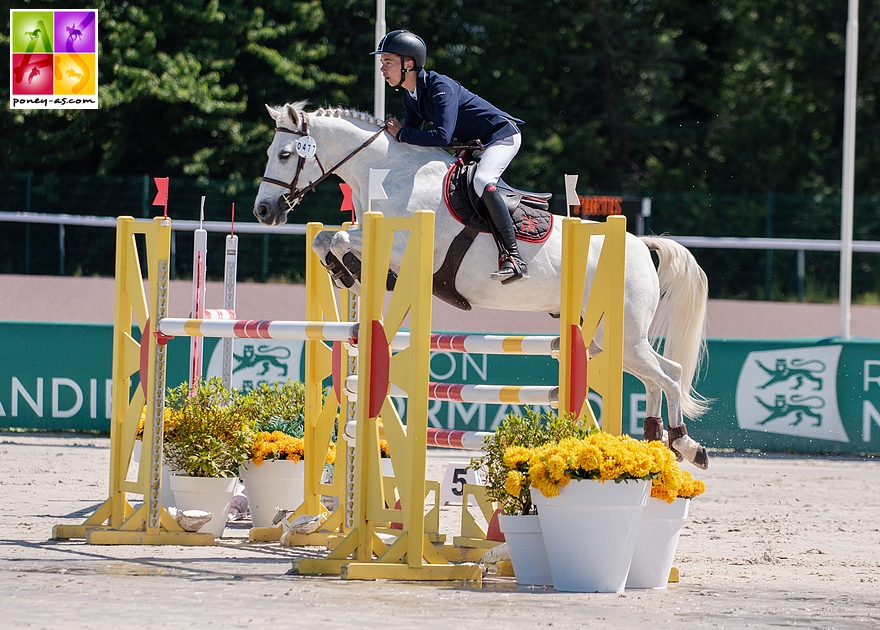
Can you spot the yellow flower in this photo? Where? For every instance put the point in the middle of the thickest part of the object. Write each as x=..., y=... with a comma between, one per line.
x=556, y=467
x=515, y=455
x=606, y=458
x=514, y=482
x=546, y=487
x=277, y=445
x=690, y=487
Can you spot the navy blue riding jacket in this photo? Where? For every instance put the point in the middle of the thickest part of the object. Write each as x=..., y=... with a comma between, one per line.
x=457, y=115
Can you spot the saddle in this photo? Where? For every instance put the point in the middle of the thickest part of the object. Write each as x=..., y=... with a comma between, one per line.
x=529, y=211
x=532, y=222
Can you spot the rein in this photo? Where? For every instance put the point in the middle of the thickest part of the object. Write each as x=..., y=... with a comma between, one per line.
x=296, y=193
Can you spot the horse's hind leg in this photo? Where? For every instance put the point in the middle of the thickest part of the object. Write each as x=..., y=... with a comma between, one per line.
x=652, y=425
x=661, y=374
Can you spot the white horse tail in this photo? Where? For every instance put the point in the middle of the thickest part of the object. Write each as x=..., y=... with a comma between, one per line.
x=681, y=316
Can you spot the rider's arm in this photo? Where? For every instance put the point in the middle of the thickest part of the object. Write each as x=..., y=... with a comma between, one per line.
x=444, y=102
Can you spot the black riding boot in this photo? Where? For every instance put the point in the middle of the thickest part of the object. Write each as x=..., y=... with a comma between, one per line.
x=510, y=265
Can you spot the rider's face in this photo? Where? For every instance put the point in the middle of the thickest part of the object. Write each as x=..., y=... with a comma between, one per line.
x=390, y=68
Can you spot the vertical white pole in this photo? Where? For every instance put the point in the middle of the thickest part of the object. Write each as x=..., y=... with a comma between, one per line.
x=230, y=273
x=378, y=81
x=849, y=151
x=200, y=253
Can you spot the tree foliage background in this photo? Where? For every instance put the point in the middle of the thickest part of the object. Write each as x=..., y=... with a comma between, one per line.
x=720, y=96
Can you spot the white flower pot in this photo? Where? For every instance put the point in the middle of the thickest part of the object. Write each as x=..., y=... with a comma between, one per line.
x=525, y=543
x=656, y=543
x=387, y=466
x=167, y=498
x=590, y=532
x=271, y=485
x=209, y=494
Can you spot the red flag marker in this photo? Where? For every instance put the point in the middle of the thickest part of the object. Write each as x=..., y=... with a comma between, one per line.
x=162, y=194
x=347, y=203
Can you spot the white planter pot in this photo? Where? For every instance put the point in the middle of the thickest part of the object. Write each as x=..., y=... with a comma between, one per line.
x=387, y=466
x=167, y=498
x=656, y=543
x=271, y=485
x=590, y=532
x=210, y=494
x=525, y=543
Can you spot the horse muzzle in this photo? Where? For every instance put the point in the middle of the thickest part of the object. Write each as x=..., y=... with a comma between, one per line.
x=273, y=212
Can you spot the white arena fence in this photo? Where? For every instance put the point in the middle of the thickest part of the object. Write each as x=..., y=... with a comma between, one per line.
x=798, y=245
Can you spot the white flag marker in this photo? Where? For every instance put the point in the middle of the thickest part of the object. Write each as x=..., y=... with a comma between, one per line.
x=571, y=196
x=377, y=176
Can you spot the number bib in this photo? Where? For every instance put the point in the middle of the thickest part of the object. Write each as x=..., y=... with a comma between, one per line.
x=306, y=147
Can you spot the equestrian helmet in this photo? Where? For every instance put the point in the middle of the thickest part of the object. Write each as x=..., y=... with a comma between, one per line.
x=405, y=44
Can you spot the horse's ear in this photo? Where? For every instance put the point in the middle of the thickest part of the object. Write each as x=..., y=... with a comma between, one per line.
x=275, y=114
x=294, y=115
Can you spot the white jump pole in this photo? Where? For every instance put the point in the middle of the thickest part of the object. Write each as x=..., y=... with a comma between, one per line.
x=547, y=395
x=378, y=80
x=230, y=272
x=849, y=151
x=200, y=253
x=258, y=329
x=541, y=345
x=443, y=438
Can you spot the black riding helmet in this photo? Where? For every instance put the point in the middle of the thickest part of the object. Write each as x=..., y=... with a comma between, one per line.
x=404, y=44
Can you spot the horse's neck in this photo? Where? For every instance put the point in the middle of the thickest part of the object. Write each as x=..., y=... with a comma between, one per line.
x=409, y=185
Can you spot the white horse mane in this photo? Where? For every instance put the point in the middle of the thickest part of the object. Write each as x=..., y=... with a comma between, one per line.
x=337, y=112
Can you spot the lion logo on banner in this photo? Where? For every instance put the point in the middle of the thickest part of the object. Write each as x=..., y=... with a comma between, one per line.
x=265, y=356
x=778, y=389
x=783, y=372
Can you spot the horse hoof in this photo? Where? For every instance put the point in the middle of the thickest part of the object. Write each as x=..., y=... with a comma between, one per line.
x=692, y=451
x=701, y=461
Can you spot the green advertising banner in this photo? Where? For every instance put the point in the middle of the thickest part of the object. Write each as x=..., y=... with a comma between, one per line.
x=801, y=395
x=57, y=377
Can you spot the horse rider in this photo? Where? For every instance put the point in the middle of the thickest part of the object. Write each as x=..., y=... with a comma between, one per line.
x=455, y=115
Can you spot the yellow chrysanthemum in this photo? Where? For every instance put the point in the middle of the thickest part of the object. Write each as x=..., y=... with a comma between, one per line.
x=514, y=482
x=515, y=455
x=546, y=487
x=556, y=467
x=277, y=445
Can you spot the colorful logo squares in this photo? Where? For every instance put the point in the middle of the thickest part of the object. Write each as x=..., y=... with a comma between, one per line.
x=53, y=59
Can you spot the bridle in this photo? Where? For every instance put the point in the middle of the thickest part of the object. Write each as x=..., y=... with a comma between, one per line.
x=297, y=193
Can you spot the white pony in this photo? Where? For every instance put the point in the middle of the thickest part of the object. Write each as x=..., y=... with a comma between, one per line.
x=670, y=300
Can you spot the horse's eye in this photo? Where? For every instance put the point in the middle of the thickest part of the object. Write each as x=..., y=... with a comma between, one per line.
x=284, y=155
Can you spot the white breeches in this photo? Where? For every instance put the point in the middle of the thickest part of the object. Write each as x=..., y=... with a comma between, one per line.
x=493, y=160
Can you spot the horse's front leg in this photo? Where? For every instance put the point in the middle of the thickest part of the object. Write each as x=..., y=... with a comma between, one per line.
x=322, y=244
x=347, y=246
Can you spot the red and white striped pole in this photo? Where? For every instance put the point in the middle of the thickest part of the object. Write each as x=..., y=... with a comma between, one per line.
x=443, y=438
x=200, y=253
x=546, y=395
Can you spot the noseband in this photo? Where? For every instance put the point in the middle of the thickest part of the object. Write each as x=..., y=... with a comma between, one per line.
x=296, y=193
